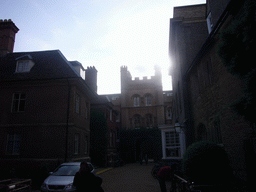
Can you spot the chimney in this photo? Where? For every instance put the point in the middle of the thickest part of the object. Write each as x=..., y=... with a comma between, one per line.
x=7, y=36
x=91, y=78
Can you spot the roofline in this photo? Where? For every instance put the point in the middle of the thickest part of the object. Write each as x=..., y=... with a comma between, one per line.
x=194, y=5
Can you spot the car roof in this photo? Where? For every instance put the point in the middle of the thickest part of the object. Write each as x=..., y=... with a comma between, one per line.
x=73, y=163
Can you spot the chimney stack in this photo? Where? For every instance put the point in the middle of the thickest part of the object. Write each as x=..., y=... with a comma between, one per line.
x=91, y=78
x=8, y=31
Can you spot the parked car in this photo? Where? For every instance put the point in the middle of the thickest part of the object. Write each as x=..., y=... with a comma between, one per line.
x=62, y=178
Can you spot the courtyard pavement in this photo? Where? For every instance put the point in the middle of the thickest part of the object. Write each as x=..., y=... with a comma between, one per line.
x=130, y=178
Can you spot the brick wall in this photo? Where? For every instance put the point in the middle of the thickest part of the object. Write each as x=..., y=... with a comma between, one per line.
x=213, y=91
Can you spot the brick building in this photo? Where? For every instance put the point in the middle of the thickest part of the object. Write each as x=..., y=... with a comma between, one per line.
x=204, y=90
x=105, y=106
x=45, y=106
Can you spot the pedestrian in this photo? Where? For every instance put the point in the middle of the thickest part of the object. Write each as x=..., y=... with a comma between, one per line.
x=84, y=180
x=163, y=174
x=141, y=158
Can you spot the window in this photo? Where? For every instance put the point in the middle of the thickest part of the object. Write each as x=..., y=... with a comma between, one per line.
x=136, y=101
x=24, y=64
x=77, y=103
x=13, y=144
x=18, y=102
x=172, y=144
x=137, y=121
x=169, y=113
x=148, y=100
x=76, y=144
x=115, y=98
x=169, y=94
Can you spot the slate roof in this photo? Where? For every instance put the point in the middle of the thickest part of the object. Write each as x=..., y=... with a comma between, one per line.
x=48, y=65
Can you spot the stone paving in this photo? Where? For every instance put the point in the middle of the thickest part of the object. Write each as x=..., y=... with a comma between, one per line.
x=130, y=178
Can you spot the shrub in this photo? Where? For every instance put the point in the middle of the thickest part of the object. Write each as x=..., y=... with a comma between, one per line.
x=206, y=163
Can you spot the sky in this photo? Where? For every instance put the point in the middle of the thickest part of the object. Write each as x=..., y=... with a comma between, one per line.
x=106, y=34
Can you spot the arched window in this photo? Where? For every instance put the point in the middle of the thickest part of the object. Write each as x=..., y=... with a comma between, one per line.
x=149, y=120
x=137, y=121
x=136, y=100
x=148, y=98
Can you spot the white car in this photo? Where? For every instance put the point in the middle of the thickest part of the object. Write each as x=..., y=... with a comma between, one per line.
x=62, y=178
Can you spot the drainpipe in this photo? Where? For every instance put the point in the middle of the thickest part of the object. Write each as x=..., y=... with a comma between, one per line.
x=68, y=101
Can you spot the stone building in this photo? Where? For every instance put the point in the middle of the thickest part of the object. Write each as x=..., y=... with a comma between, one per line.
x=142, y=102
x=204, y=90
x=142, y=105
x=188, y=31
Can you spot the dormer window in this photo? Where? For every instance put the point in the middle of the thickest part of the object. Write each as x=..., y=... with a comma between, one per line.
x=24, y=64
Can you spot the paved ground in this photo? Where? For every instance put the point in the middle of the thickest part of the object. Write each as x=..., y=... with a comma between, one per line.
x=130, y=178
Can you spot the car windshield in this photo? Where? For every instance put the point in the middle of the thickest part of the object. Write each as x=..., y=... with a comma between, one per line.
x=66, y=170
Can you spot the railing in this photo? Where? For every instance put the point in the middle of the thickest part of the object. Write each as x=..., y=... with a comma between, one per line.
x=13, y=185
x=179, y=184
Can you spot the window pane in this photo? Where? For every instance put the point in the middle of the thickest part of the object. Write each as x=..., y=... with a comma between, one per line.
x=16, y=148
x=136, y=101
x=18, y=103
x=172, y=139
x=173, y=152
x=148, y=100
x=22, y=105
x=15, y=105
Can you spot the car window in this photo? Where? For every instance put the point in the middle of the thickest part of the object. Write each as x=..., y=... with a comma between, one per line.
x=66, y=170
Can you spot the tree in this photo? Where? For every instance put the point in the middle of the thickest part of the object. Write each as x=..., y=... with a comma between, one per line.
x=99, y=138
x=237, y=51
x=205, y=162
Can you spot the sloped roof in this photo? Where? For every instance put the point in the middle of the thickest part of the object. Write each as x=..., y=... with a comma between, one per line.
x=47, y=65
x=102, y=100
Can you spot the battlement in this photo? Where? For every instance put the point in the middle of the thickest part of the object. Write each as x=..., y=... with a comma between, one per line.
x=145, y=78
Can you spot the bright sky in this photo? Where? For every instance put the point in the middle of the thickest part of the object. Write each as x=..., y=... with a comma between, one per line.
x=102, y=33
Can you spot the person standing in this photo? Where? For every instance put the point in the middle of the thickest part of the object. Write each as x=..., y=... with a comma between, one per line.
x=84, y=180
x=163, y=174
